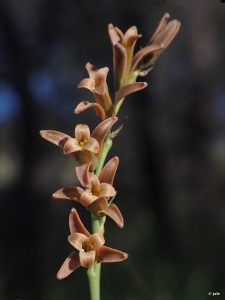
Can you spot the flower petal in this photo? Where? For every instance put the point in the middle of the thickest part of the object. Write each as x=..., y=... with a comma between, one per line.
x=114, y=213
x=100, y=89
x=83, y=174
x=100, y=77
x=87, y=258
x=119, y=54
x=108, y=255
x=120, y=63
x=91, y=70
x=75, y=224
x=129, y=89
x=82, y=133
x=167, y=34
x=56, y=137
x=165, y=30
x=71, y=146
x=96, y=240
x=106, y=190
x=92, y=146
x=86, y=104
x=87, y=198
x=77, y=240
x=160, y=27
x=108, y=172
x=70, y=193
x=71, y=263
x=94, y=182
x=131, y=36
x=87, y=83
x=99, y=133
x=114, y=36
x=86, y=177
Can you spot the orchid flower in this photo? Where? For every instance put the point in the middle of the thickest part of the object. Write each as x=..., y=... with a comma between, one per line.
x=90, y=248
x=85, y=147
x=97, y=191
x=96, y=83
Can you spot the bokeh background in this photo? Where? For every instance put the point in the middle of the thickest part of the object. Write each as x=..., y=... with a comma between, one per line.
x=170, y=180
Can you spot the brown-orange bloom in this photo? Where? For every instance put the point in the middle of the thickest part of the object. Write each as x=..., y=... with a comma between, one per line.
x=145, y=58
x=90, y=248
x=96, y=83
x=97, y=191
x=85, y=147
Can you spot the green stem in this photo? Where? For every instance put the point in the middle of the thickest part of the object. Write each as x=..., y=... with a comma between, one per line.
x=94, y=281
x=105, y=149
x=94, y=273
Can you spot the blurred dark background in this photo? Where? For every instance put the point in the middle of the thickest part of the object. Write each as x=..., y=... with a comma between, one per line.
x=170, y=180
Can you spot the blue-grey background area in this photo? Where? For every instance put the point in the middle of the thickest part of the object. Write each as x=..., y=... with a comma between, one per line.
x=170, y=181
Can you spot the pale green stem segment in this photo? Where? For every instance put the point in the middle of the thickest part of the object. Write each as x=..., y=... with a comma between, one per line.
x=94, y=281
x=94, y=273
x=118, y=106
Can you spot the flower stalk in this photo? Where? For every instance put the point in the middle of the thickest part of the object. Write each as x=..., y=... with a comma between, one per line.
x=94, y=274
x=89, y=150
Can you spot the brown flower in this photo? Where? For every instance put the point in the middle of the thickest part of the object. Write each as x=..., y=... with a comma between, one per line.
x=166, y=31
x=128, y=66
x=123, y=49
x=98, y=86
x=84, y=147
x=97, y=191
x=90, y=248
x=96, y=83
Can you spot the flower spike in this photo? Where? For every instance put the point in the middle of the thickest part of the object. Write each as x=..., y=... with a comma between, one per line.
x=90, y=150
